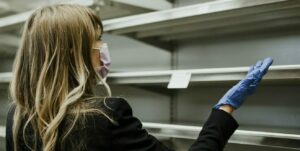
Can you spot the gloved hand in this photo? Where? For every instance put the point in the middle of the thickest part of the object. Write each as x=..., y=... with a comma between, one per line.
x=238, y=93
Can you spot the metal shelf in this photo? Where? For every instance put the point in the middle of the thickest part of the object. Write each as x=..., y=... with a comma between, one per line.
x=216, y=18
x=5, y=77
x=275, y=74
x=247, y=137
x=204, y=16
x=207, y=19
x=2, y=131
x=109, y=9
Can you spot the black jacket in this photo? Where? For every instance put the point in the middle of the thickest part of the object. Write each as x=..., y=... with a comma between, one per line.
x=127, y=133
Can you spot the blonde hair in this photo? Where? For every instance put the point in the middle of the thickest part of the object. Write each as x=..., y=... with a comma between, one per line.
x=53, y=74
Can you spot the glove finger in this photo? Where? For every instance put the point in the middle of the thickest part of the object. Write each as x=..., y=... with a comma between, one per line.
x=258, y=64
x=254, y=68
x=258, y=76
x=251, y=78
x=265, y=66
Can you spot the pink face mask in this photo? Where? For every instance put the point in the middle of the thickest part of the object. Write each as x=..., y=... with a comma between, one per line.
x=105, y=61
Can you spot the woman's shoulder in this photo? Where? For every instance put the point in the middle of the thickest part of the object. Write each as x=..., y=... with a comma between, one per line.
x=116, y=103
x=117, y=106
x=113, y=107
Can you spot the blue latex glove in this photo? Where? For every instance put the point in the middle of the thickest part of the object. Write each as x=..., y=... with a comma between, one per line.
x=238, y=93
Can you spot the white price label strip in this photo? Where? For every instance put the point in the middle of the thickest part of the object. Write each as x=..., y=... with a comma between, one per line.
x=179, y=80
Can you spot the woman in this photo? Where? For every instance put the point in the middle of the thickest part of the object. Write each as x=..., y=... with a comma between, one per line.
x=53, y=90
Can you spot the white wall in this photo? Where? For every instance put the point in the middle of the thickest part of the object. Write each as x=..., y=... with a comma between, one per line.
x=232, y=52
x=131, y=55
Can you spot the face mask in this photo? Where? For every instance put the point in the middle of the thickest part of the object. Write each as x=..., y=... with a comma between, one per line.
x=105, y=60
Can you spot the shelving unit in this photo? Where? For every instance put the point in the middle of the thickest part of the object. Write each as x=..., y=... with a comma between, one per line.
x=206, y=22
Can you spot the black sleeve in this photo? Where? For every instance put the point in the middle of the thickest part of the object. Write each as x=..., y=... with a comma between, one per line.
x=127, y=132
x=216, y=132
x=9, y=124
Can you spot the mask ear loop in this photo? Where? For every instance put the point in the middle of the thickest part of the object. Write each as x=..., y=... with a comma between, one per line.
x=100, y=52
x=107, y=88
x=103, y=80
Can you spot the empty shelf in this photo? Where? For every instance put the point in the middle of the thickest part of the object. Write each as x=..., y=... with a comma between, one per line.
x=217, y=17
x=276, y=73
x=211, y=18
x=247, y=137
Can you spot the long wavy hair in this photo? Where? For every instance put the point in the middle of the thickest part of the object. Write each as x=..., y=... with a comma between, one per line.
x=53, y=75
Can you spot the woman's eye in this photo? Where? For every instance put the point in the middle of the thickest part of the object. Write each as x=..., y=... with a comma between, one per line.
x=100, y=38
